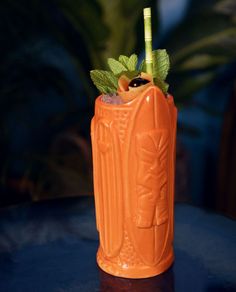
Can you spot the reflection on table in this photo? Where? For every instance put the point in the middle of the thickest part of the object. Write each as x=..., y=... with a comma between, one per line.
x=160, y=283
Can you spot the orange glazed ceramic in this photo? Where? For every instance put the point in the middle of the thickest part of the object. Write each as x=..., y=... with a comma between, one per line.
x=134, y=164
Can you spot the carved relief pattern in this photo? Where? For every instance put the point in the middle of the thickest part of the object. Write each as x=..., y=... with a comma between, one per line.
x=152, y=151
x=109, y=207
x=128, y=256
x=122, y=120
x=120, y=116
x=104, y=113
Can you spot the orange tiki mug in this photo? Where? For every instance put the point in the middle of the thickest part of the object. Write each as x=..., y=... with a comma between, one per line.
x=134, y=161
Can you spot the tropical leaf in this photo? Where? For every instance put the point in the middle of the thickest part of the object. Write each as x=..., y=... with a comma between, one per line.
x=227, y=7
x=202, y=61
x=205, y=39
x=189, y=86
x=124, y=20
x=79, y=14
x=220, y=39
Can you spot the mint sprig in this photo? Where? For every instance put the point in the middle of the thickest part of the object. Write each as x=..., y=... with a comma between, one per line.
x=161, y=84
x=123, y=60
x=115, y=66
x=132, y=62
x=107, y=81
x=161, y=64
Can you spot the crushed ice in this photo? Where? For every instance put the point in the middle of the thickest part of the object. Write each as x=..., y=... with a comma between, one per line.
x=112, y=98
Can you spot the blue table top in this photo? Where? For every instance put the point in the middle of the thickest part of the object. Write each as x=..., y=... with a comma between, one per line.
x=51, y=246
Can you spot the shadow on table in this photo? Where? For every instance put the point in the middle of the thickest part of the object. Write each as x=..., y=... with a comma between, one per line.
x=220, y=288
x=160, y=283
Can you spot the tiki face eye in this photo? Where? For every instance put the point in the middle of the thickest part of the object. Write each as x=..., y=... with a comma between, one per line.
x=138, y=81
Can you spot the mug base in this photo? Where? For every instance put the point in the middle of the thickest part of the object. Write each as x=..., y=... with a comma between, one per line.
x=139, y=272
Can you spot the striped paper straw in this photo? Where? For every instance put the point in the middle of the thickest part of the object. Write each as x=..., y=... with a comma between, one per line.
x=148, y=39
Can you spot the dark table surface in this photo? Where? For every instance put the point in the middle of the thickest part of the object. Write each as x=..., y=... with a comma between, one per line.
x=51, y=246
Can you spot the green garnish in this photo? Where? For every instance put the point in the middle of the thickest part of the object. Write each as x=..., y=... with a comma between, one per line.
x=115, y=66
x=156, y=63
x=107, y=81
x=161, y=66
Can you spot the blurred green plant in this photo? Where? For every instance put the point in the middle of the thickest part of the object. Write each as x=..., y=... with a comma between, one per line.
x=89, y=31
x=200, y=46
x=116, y=29
x=202, y=43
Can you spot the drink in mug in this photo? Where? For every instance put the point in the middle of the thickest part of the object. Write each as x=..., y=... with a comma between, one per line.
x=133, y=143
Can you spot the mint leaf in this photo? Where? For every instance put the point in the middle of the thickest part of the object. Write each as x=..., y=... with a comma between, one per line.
x=129, y=62
x=123, y=60
x=161, y=84
x=132, y=62
x=161, y=64
x=115, y=66
x=105, y=81
x=142, y=66
x=130, y=74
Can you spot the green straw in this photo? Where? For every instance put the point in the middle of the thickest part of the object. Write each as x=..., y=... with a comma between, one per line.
x=148, y=39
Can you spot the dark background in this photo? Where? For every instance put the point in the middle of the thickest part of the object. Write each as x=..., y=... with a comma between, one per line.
x=47, y=48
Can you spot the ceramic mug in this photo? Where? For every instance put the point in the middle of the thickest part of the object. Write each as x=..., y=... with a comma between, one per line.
x=133, y=148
